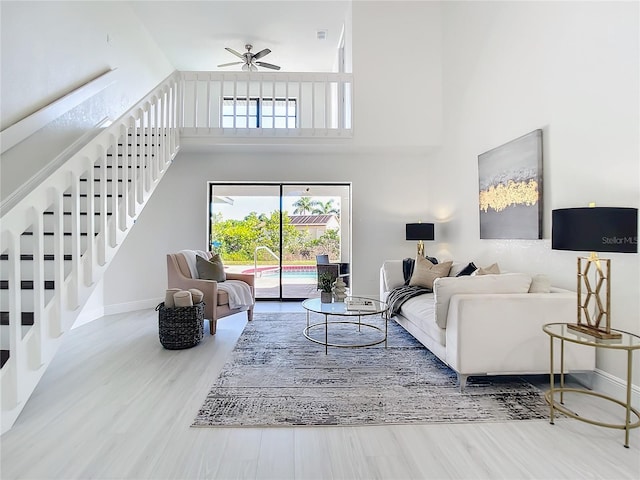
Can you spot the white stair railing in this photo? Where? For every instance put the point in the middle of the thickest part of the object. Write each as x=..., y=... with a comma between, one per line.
x=57, y=241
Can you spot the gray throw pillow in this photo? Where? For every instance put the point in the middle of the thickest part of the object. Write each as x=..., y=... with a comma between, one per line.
x=212, y=269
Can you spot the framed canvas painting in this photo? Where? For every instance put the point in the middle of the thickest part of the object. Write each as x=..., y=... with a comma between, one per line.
x=510, y=181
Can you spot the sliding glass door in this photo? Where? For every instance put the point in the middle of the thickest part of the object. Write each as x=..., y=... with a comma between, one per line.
x=276, y=230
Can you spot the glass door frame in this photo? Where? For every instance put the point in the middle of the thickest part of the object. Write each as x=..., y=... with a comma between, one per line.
x=282, y=194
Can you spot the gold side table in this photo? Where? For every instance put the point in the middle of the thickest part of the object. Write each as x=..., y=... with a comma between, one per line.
x=628, y=342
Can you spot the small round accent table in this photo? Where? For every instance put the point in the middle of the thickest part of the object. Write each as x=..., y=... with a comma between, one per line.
x=341, y=309
x=629, y=342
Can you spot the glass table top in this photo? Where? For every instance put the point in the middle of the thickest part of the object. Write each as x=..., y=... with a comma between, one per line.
x=340, y=308
x=628, y=341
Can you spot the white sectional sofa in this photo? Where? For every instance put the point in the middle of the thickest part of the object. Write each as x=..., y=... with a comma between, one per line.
x=488, y=324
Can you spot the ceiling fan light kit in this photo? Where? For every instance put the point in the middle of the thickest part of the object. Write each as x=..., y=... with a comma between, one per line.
x=250, y=61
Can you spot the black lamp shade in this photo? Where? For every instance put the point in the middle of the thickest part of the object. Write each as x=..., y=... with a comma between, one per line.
x=420, y=231
x=595, y=229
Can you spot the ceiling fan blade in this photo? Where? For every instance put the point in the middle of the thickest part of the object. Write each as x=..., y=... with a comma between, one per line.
x=229, y=64
x=261, y=53
x=268, y=65
x=237, y=54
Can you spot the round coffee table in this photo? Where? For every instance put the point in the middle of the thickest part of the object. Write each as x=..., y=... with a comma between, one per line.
x=340, y=309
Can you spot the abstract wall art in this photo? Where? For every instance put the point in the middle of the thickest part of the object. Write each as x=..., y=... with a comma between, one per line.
x=510, y=180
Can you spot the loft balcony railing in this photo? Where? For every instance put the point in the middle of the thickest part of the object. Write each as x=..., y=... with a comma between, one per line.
x=228, y=104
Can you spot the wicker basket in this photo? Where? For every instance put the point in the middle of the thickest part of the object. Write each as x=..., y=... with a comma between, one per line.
x=180, y=327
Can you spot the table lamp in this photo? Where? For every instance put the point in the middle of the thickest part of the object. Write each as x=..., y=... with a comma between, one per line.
x=420, y=232
x=595, y=229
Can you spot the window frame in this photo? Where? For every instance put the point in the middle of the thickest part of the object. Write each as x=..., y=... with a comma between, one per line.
x=259, y=107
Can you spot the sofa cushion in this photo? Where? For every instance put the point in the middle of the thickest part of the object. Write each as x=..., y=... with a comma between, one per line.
x=444, y=288
x=212, y=269
x=492, y=269
x=456, y=268
x=392, y=274
x=425, y=272
x=420, y=311
x=223, y=298
x=540, y=284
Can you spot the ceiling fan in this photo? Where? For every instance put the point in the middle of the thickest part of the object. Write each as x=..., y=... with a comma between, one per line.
x=249, y=63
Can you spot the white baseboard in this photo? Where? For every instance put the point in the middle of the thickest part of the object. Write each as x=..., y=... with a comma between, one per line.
x=615, y=387
x=132, y=306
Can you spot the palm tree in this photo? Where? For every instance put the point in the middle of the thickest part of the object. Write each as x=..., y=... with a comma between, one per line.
x=325, y=208
x=303, y=206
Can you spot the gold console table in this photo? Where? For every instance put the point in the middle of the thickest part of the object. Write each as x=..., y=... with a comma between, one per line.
x=628, y=342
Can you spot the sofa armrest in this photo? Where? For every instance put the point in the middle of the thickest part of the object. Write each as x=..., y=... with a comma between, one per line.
x=489, y=333
x=391, y=276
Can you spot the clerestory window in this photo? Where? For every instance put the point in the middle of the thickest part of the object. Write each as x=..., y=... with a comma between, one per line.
x=259, y=113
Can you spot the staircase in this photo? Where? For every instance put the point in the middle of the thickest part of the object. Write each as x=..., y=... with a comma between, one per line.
x=57, y=241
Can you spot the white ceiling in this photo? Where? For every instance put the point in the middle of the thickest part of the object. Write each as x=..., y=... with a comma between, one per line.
x=193, y=34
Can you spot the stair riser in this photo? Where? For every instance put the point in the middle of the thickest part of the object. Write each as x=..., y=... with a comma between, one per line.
x=49, y=222
x=27, y=244
x=27, y=269
x=67, y=204
x=4, y=335
x=26, y=299
x=110, y=186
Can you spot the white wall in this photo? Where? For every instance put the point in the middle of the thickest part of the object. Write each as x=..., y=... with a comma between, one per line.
x=387, y=160
x=51, y=48
x=572, y=69
x=386, y=194
x=397, y=70
x=504, y=69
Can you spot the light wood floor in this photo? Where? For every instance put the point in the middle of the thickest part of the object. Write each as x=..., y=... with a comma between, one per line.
x=115, y=404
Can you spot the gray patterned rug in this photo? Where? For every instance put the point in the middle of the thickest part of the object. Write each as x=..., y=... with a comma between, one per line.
x=277, y=377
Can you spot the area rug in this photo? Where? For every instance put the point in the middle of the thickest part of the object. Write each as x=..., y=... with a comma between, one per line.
x=277, y=377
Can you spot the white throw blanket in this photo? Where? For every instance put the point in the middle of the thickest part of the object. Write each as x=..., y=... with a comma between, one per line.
x=190, y=257
x=239, y=292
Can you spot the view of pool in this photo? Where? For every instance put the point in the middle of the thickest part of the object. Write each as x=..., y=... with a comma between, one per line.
x=288, y=271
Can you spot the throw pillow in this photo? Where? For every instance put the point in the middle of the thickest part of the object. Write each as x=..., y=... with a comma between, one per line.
x=425, y=272
x=468, y=270
x=492, y=269
x=212, y=269
x=540, y=284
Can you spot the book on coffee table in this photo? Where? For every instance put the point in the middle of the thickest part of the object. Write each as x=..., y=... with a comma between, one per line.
x=363, y=304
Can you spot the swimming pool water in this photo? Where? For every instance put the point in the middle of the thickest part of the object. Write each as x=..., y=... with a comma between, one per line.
x=288, y=272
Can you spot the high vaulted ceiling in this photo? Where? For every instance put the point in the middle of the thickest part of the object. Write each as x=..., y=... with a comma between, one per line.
x=193, y=34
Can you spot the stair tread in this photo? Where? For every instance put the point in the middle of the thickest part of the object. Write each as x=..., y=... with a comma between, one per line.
x=27, y=285
x=69, y=213
x=109, y=180
x=30, y=257
x=84, y=195
x=50, y=234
